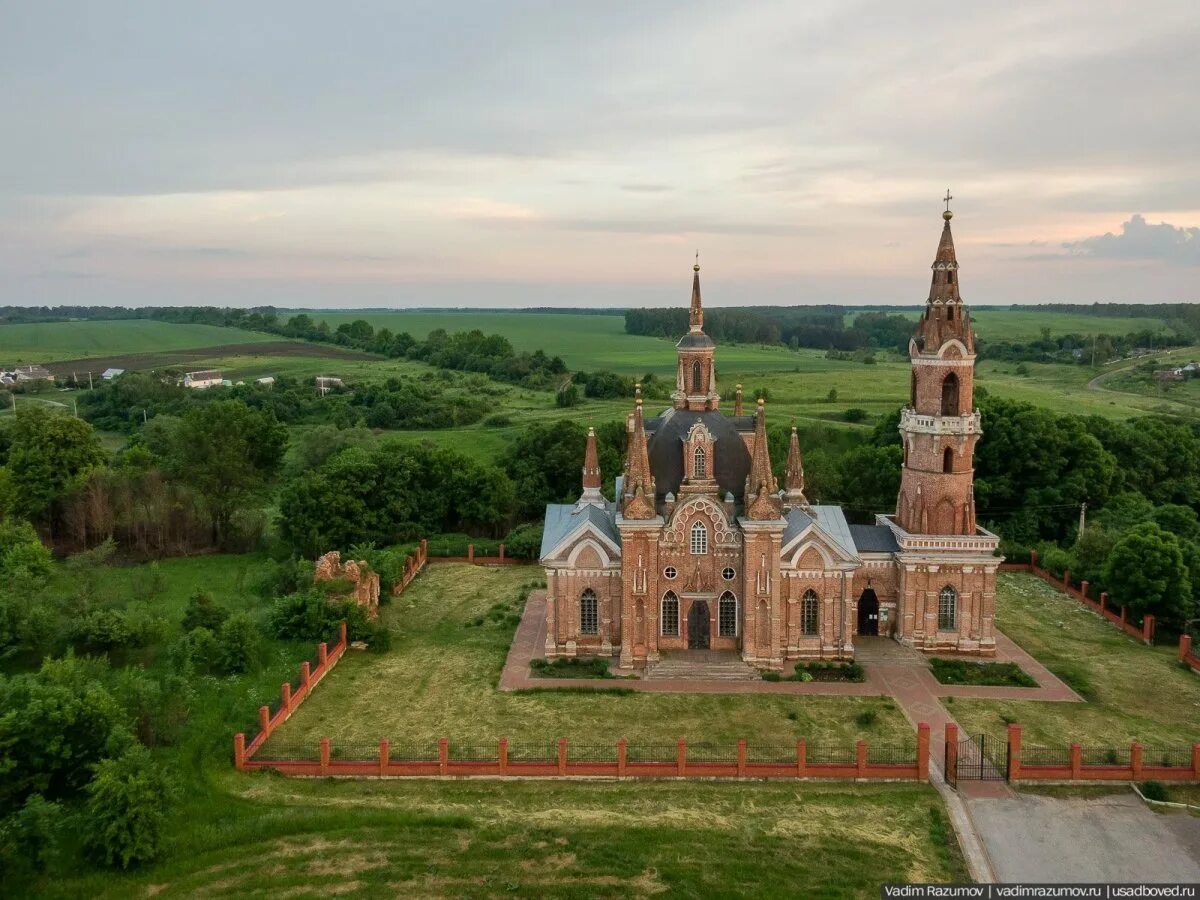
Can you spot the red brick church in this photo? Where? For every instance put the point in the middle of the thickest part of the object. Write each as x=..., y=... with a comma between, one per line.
x=704, y=549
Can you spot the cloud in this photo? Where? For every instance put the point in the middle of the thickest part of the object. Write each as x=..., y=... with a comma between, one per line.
x=1141, y=240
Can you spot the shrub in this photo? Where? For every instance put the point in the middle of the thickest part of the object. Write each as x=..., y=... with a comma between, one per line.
x=867, y=717
x=22, y=552
x=100, y=630
x=1154, y=790
x=197, y=651
x=772, y=676
x=499, y=420
x=240, y=645
x=29, y=838
x=126, y=808
x=203, y=612
x=524, y=542
x=960, y=671
x=569, y=668
x=158, y=708
x=855, y=414
x=310, y=616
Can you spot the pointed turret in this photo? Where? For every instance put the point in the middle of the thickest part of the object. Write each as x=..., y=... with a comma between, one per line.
x=696, y=312
x=639, y=492
x=591, y=472
x=762, y=490
x=945, y=317
x=793, y=479
x=737, y=401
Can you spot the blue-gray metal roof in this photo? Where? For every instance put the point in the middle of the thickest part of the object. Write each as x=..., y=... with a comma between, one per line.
x=830, y=520
x=563, y=518
x=874, y=539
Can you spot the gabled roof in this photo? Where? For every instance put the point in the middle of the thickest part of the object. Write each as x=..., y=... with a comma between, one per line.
x=563, y=520
x=874, y=539
x=830, y=521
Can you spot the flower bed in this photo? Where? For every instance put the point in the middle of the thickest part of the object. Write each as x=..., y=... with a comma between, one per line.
x=960, y=671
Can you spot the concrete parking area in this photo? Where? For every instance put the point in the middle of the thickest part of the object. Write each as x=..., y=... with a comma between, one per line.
x=1117, y=838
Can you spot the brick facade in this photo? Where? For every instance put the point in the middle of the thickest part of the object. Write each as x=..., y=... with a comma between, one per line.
x=701, y=547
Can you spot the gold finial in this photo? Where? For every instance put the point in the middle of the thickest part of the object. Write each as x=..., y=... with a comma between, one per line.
x=760, y=401
x=696, y=267
x=947, y=215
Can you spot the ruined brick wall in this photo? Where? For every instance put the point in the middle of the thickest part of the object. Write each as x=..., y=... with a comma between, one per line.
x=364, y=583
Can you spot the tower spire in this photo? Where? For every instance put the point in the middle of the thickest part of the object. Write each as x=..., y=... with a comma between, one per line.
x=696, y=313
x=793, y=479
x=591, y=471
x=762, y=489
x=639, y=491
x=945, y=317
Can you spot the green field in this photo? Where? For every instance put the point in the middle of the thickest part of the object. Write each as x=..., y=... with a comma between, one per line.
x=1133, y=692
x=52, y=341
x=439, y=680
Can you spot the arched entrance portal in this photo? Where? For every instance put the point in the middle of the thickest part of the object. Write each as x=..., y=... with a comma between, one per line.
x=868, y=613
x=698, y=626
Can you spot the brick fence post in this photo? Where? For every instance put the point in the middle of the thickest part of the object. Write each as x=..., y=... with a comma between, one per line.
x=1076, y=762
x=1083, y=588
x=502, y=755
x=264, y=719
x=1067, y=580
x=424, y=550
x=342, y=632
x=322, y=654
x=562, y=756
x=950, y=756
x=239, y=751
x=1135, y=760
x=860, y=759
x=1185, y=646
x=681, y=757
x=285, y=695
x=622, y=756
x=1148, y=628
x=470, y=553
x=324, y=756
x=1014, y=752
x=802, y=758
x=1196, y=761
x=501, y=553
x=1104, y=601
x=923, y=751
x=1033, y=558
x=741, y=758
x=385, y=755
x=305, y=674
x=443, y=756
x=1124, y=614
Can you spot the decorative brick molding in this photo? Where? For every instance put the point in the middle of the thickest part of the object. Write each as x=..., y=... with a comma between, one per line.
x=558, y=761
x=1143, y=632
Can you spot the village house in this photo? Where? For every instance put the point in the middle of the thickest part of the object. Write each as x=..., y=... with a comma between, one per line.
x=205, y=378
x=22, y=374
x=704, y=550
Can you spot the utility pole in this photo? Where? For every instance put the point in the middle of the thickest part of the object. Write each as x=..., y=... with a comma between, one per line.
x=1082, y=516
x=89, y=381
x=74, y=408
x=1093, y=351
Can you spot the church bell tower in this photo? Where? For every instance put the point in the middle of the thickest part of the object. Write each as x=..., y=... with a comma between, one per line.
x=939, y=426
x=696, y=377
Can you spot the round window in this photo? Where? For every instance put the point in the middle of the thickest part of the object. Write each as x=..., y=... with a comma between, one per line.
x=727, y=573
x=669, y=573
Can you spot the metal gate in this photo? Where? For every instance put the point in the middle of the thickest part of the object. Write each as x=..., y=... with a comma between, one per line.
x=980, y=757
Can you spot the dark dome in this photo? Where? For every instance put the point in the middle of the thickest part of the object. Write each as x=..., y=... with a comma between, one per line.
x=695, y=341
x=732, y=463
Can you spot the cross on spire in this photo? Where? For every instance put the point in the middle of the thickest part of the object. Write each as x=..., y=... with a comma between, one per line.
x=947, y=199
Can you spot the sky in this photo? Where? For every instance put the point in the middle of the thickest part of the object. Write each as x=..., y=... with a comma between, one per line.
x=494, y=154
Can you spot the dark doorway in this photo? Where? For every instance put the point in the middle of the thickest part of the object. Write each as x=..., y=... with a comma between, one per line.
x=868, y=613
x=698, y=626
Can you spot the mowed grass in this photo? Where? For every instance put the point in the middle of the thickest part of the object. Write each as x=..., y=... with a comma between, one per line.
x=1133, y=692
x=50, y=341
x=440, y=680
x=488, y=838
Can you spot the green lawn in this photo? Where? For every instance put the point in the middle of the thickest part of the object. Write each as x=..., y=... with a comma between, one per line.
x=485, y=839
x=1134, y=692
x=439, y=680
x=51, y=341
x=1027, y=324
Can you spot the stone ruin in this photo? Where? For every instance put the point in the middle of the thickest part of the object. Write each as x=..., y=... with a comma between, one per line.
x=364, y=584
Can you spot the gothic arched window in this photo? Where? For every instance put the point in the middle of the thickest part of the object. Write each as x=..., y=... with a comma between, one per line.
x=948, y=609
x=948, y=460
x=589, y=613
x=810, y=607
x=698, y=463
x=670, y=614
x=727, y=615
x=697, y=378
x=699, y=539
x=950, y=404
